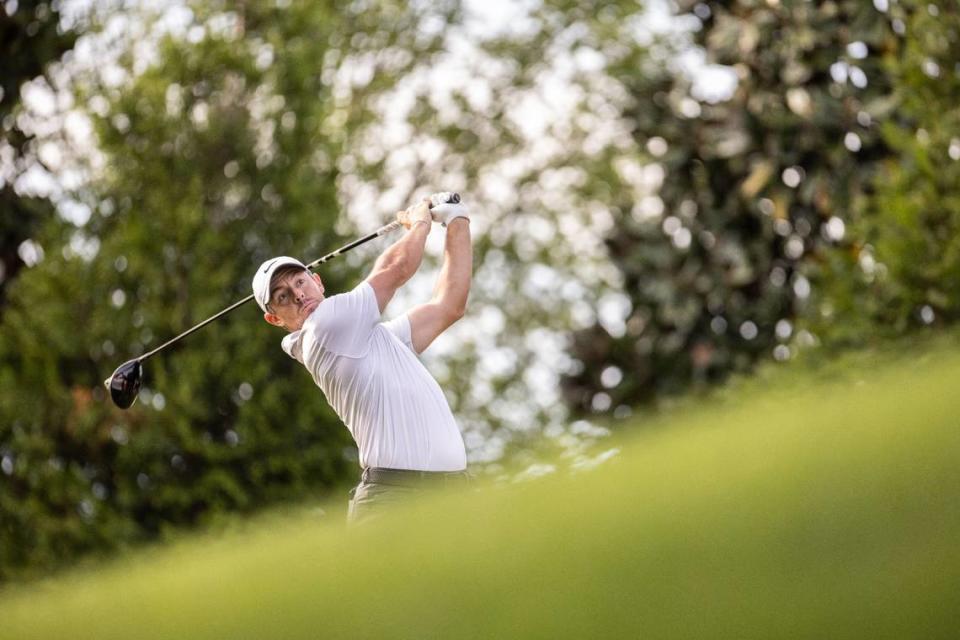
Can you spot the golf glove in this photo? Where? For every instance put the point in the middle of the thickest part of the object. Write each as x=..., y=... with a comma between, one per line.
x=448, y=212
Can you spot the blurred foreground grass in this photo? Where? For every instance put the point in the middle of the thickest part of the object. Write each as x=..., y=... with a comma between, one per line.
x=805, y=503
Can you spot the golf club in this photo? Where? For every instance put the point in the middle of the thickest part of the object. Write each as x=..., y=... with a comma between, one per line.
x=124, y=384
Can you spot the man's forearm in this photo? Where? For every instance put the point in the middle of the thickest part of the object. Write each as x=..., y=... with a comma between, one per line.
x=404, y=256
x=453, y=283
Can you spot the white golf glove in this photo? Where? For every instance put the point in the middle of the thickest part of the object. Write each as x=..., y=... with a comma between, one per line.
x=448, y=212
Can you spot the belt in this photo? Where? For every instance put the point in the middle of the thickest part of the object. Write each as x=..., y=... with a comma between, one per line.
x=411, y=477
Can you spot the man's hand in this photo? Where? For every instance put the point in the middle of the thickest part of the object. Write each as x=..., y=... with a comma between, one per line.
x=417, y=213
x=448, y=212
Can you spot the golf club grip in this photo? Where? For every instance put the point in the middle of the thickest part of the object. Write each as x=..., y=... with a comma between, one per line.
x=443, y=197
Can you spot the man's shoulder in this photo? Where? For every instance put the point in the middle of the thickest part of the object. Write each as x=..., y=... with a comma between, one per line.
x=346, y=303
x=353, y=297
x=342, y=323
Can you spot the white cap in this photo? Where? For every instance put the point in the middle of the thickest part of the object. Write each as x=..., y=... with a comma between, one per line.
x=263, y=276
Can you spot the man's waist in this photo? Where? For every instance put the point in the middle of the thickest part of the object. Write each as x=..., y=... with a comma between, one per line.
x=411, y=477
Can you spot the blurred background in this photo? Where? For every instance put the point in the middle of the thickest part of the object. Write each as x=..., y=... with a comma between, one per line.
x=664, y=194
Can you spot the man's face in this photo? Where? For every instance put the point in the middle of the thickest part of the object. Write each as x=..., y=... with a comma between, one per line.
x=293, y=297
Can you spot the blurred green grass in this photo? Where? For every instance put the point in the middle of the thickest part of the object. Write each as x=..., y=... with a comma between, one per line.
x=809, y=501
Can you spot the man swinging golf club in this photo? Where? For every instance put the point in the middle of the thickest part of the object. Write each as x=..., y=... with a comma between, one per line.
x=368, y=369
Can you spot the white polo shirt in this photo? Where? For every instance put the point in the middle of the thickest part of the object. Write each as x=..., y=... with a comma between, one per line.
x=371, y=376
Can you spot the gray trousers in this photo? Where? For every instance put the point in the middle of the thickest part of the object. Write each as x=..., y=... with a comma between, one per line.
x=381, y=489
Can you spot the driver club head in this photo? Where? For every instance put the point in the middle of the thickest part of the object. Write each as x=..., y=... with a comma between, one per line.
x=124, y=384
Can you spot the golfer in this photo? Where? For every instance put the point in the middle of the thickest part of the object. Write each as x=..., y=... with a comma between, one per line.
x=368, y=369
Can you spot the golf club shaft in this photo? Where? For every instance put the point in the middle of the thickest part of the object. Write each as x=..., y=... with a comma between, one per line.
x=347, y=247
x=385, y=229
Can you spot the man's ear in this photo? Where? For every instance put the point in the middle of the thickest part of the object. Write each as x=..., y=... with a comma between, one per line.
x=273, y=319
x=316, y=276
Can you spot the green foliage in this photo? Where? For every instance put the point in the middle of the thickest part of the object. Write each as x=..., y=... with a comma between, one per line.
x=839, y=522
x=748, y=188
x=222, y=153
x=904, y=271
x=30, y=39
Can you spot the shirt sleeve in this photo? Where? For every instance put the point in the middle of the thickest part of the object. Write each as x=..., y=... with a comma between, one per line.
x=345, y=322
x=400, y=327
